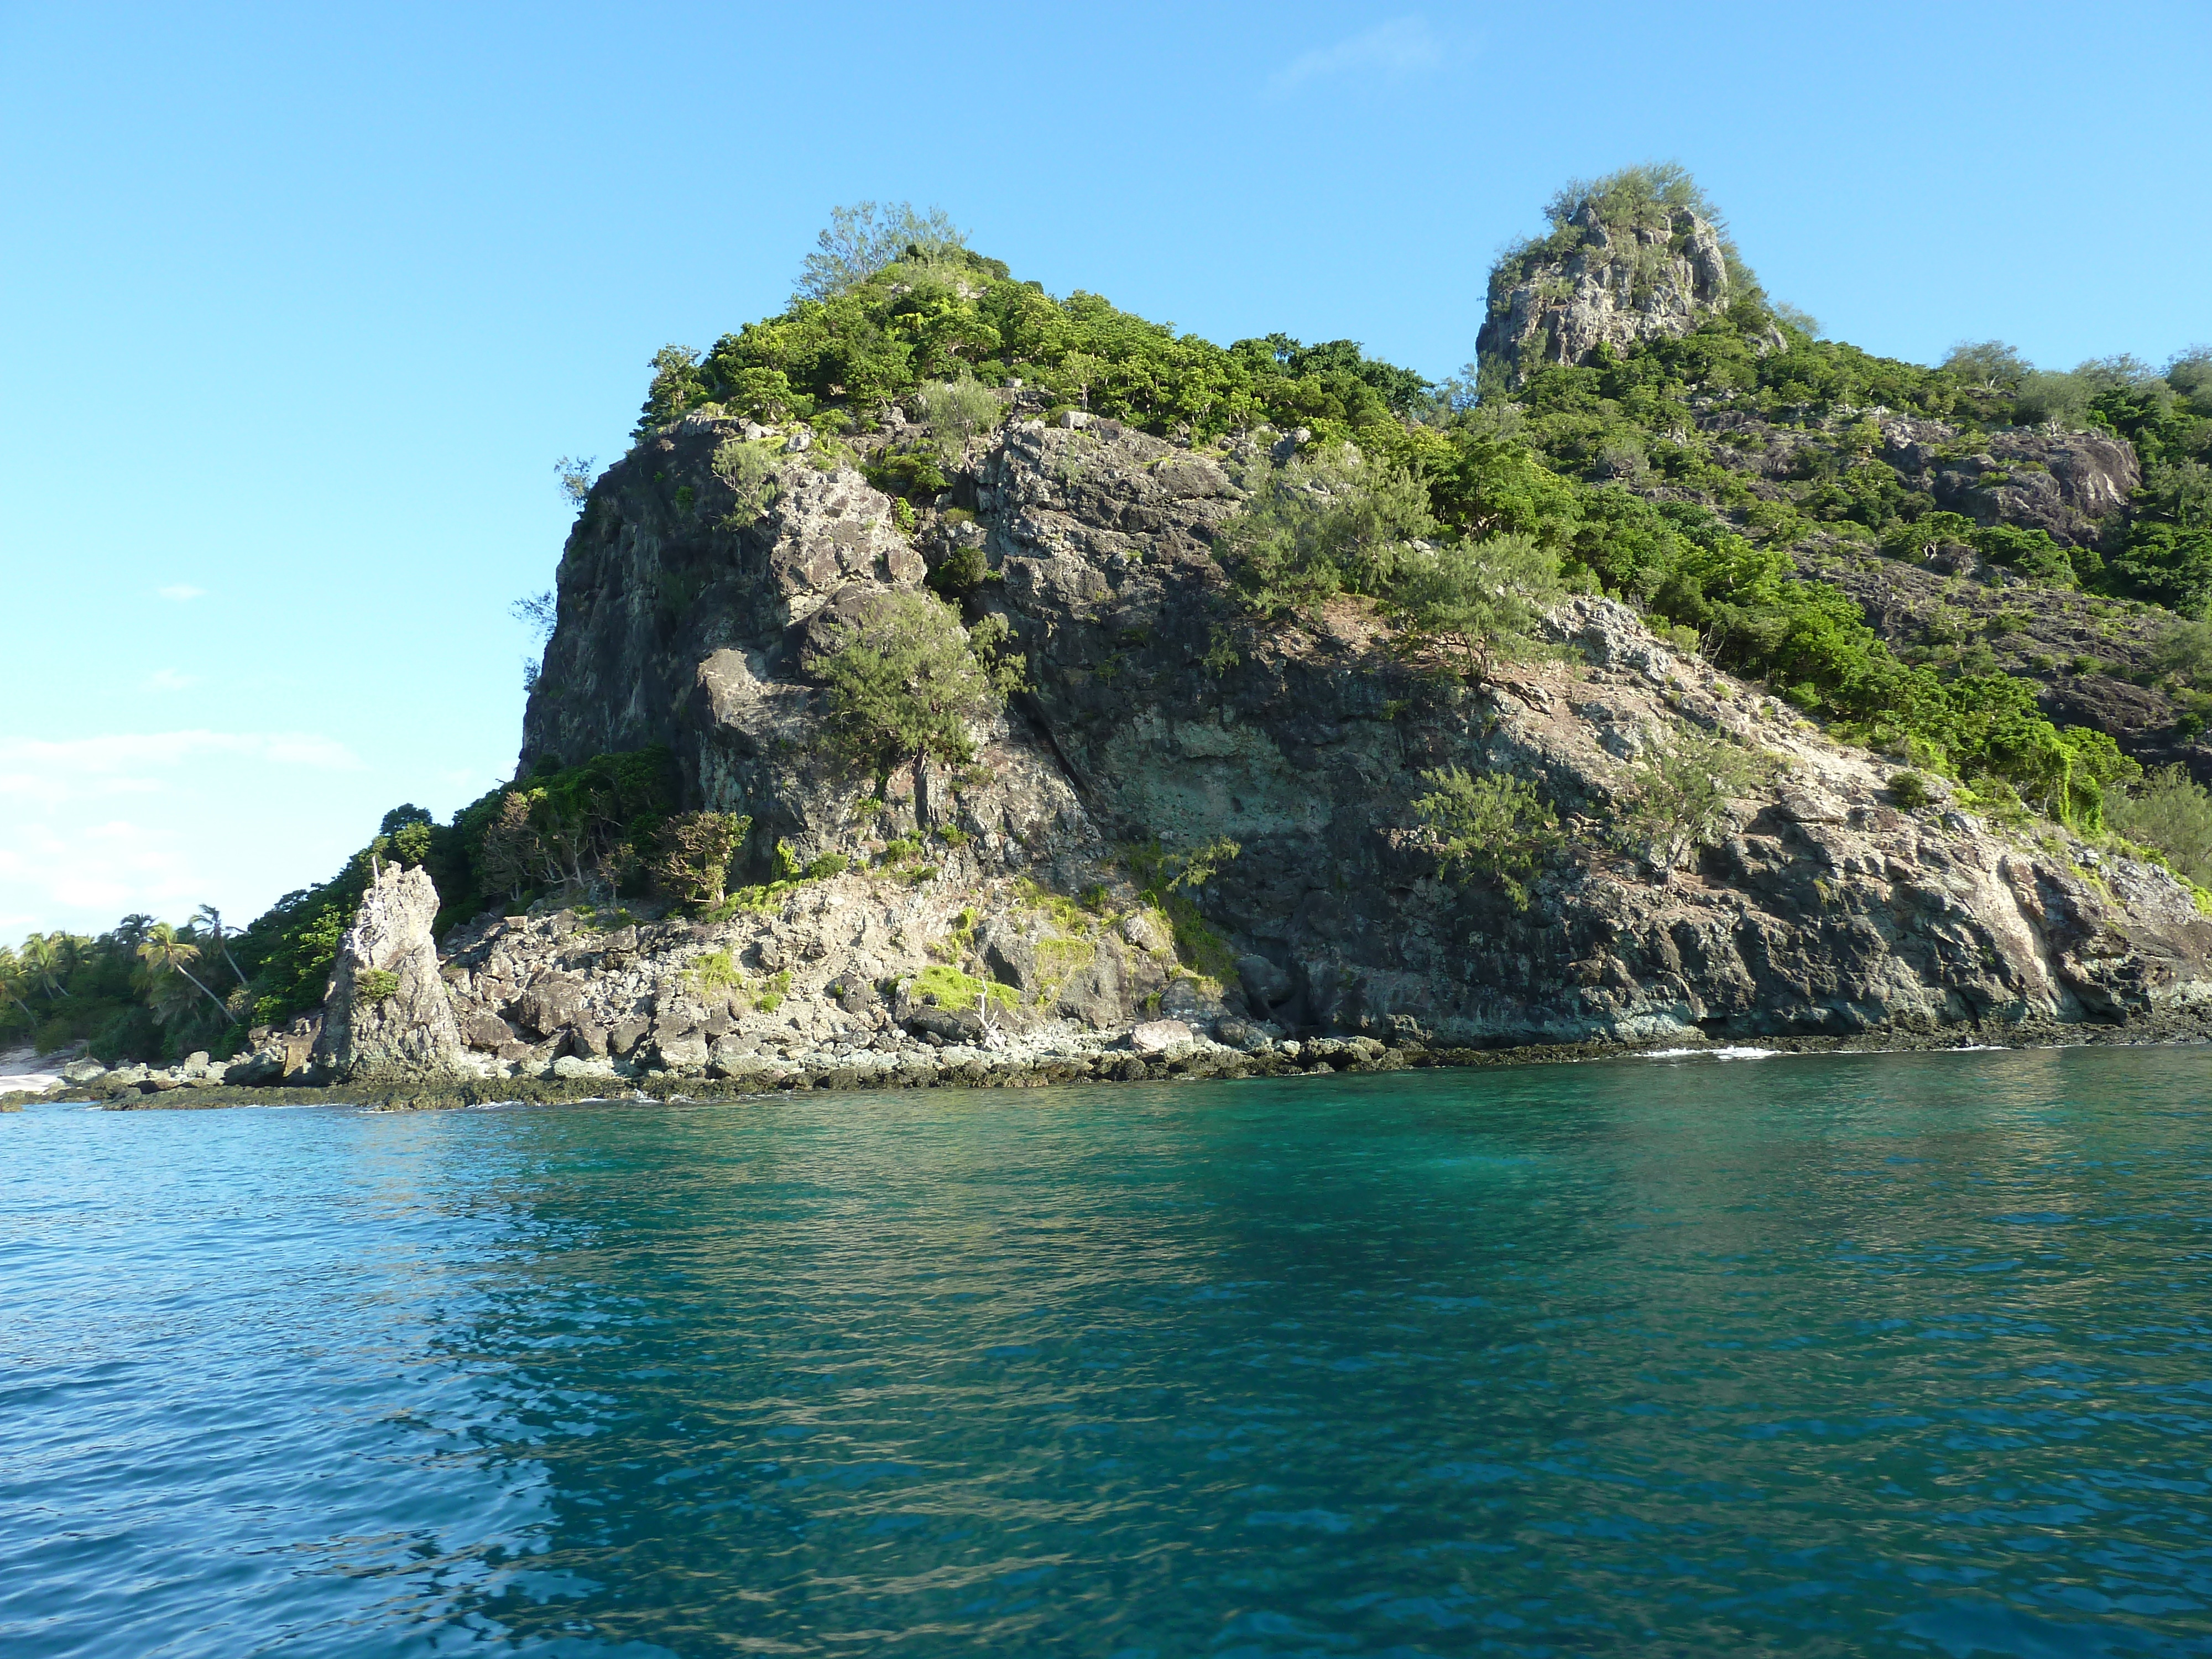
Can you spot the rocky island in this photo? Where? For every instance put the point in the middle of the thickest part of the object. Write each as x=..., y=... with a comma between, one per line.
x=956, y=684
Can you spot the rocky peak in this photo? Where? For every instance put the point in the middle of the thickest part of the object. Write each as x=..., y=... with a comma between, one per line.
x=1639, y=256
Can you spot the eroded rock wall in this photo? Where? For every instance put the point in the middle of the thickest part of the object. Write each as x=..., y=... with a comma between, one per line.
x=1161, y=716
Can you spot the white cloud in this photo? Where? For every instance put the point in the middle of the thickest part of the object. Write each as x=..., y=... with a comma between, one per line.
x=1401, y=46
x=168, y=679
x=181, y=592
x=161, y=822
x=111, y=754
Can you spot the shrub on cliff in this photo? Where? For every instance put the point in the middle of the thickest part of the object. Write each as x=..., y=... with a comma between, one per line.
x=1322, y=524
x=2171, y=811
x=864, y=237
x=892, y=300
x=1493, y=826
x=749, y=471
x=693, y=850
x=905, y=682
x=584, y=828
x=1475, y=601
x=1679, y=798
x=953, y=411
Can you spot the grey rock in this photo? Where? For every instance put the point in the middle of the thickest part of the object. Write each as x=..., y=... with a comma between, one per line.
x=409, y=1033
x=1266, y=986
x=685, y=1055
x=1614, y=285
x=1821, y=910
x=551, y=1004
x=1158, y=1036
x=1243, y=1033
x=481, y=1029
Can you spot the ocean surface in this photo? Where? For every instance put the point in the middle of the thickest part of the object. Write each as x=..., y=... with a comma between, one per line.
x=1905, y=1354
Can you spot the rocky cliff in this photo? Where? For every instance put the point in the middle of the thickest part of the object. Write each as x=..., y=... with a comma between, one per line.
x=1829, y=906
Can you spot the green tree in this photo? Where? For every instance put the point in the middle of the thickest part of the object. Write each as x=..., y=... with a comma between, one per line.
x=676, y=386
x=1479, y=601
x=2171, y=811
x=953, y=411
x=1680, y=794
x=906, y=684
x=1495, y=826
x=1324, y=525
x=863, y=237
x=692, y=865
x=751, y=471
x=166, y=951
x=1990, y=363
x=2185, y=649
x=577, y=474
x=208, y=923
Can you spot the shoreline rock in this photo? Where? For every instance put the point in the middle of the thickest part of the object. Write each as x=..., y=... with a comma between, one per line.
x=1194, y=1063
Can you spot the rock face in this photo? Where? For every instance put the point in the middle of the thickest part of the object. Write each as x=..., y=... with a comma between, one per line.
x=2062, y=482
x=1596, y=283
x=387, y=1014
x=1162, y=718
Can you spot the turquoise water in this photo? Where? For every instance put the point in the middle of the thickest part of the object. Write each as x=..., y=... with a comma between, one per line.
x=1889, y=1354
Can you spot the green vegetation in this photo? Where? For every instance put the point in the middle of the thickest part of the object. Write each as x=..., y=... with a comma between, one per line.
x=1493, y=825
x=2173, y=813
x=894, y=302
x=692, y=863
x=905, y=682
x=948, y=987
x=1909, y=791
x=374, y=985
x=1168, y=881
x=1680, y=800
x=1457, y=510
x=749, y=471
x=142, y=990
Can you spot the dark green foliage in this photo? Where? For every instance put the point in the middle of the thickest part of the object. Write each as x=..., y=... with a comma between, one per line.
x=2171, y=812
x=2165, y=564
x=1322, y=524
x=917, y=471
x=692, y=855
x=1491, y=827
x=960, y=572
x=1476, y=602
x=906, y=683
x=1681, y=798
x=1909, y=790
x=593, y=825
x=60, y=988
x=374, y=985
x=946, y=314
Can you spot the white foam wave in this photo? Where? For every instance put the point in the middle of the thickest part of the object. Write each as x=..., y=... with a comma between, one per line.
x=1727, y=1051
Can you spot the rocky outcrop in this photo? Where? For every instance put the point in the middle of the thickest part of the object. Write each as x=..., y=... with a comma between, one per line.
x=1162, y=718
x=2065, y=483
x=387, y=1015
x=1599, y=281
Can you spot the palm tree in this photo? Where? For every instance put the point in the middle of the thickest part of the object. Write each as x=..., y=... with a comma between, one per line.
x=43, y=955
x=167, y=952
x=211, y=917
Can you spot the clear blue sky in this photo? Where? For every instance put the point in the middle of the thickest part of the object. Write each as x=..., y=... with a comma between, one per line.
x=300, y=307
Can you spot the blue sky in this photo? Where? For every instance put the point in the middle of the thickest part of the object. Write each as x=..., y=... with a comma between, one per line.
x=302, y=306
